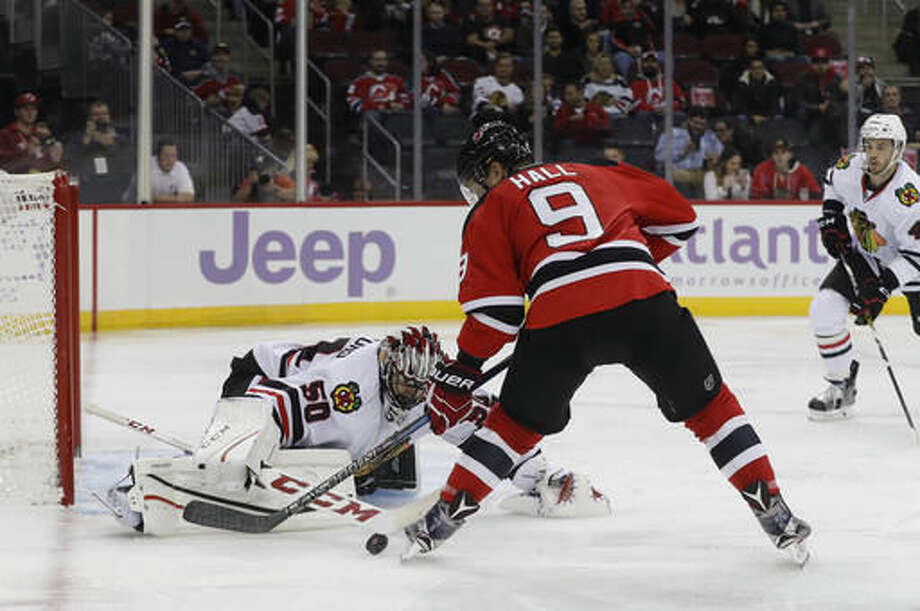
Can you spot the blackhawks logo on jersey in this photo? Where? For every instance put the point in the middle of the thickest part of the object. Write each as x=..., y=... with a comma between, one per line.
x=868, y=237
x=844, y=162
x=908, y=194
x=346, y=397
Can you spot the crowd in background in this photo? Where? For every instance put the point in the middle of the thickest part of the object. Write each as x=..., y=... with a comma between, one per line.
x=759, y=95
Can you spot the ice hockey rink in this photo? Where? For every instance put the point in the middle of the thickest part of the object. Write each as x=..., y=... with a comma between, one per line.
x=680, y=537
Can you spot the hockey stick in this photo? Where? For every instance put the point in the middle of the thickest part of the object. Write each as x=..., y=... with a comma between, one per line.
x=387, y=520
x=138, y=427
x=217, y=516
x=881, y=350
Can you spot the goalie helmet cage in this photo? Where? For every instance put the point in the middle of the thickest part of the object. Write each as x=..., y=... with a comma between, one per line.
x=39, y=338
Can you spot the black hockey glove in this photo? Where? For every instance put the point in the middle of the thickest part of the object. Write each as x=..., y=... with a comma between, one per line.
x=835, y=235
x=871, y=294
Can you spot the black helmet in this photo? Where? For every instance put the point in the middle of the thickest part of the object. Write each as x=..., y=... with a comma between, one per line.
x=492, y=140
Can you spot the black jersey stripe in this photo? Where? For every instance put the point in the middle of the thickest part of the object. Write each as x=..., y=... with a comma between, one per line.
x=488, y=455
x=911, y=257
x=734, y=444
x=242, y=370
x=285, y=358
x=296, y=409
x=594, y=258
x=307, y=353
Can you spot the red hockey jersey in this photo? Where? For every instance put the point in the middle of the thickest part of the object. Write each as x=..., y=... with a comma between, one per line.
x=575, y=239
x=376, y=92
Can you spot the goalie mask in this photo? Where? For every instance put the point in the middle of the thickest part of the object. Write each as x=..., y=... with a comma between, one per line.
x=407, y=363
x=493, y=140
x=883, y=127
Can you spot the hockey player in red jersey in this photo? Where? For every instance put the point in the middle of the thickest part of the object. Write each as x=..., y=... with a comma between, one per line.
x=582, y=243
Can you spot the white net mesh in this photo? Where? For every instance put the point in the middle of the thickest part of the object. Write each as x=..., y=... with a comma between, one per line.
x=28, y=412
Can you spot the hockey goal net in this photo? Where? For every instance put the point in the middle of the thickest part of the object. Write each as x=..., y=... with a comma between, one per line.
x=39, y=338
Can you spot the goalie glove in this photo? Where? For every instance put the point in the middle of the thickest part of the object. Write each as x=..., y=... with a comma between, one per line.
x=450, y=398
x=835, y=235
x=554, y=494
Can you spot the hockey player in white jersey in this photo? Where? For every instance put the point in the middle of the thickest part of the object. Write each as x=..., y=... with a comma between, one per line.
x=348, y=394
x=878, y=193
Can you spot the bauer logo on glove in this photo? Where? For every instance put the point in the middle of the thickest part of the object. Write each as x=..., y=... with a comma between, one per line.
x=450, y=398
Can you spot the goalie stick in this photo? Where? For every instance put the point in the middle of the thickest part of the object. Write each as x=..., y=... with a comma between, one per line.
x=217, y=516
x=385, y=520
x=881, y=350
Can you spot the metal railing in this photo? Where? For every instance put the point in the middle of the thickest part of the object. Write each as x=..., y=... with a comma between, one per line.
x=368, y=120
x=218, y=155
x=325, y=115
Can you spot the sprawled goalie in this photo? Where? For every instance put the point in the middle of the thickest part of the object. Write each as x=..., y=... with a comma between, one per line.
x=291, y=414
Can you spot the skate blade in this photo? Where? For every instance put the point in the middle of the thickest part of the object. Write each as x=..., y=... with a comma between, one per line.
x=412, y=550
x=798, y=552
x=118, y=515
x=844, y=413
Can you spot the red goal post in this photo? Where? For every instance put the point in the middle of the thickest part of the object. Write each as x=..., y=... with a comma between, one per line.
x=39, y=337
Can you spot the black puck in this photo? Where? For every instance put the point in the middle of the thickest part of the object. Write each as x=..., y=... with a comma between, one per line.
x=376, y=543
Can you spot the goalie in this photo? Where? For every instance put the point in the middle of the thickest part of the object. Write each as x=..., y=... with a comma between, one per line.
x=291, y=414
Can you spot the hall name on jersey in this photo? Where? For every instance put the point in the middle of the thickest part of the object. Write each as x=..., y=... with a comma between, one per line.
x=528, y=178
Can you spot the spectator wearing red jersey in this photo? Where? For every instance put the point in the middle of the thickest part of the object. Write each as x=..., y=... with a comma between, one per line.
x=440, y=92
x=578, y=119
x=648, y=88
x=340, y=19
x=376, y=89
x=783, y=177
x=173, y=11
x=216, y=75
x=26, y=144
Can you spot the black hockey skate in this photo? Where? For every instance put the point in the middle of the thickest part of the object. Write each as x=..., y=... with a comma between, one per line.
x=836, y=401
x=787, y=532
x=913, y=301
x=438, y=524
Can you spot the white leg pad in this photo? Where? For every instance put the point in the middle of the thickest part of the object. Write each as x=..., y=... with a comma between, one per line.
x=164, y=486
x=241, y=434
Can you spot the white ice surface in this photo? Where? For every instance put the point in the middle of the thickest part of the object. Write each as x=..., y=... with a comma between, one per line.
x=680, y=537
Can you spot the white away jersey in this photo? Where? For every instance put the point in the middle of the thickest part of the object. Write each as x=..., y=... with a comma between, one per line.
x=886, y=223
x=329, y=395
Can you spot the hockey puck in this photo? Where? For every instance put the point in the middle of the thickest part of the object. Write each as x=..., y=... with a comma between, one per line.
x=376, y=543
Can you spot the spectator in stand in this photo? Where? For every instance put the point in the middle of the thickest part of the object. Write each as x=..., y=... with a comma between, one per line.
x=741, y=138
x=563, y=65
x=266, y=183
x=611, y=155
x=908, y=41
x=868, y=88
x=174, y=11
x=187, y=56
x=822, y=103
x=728, y=179
x=593, y=46
x=486, y=34
x=607, y=89
x=170, y=180
x=717, y=17
x=378, y=90
x=523, y=30
x=891, y=104
x=439, y=36
x=578, y=25
x=648, y=89
x=283, y=145
x=440, y=92
x=26, y=144
x=783, y=177
x=694, y=148
x=341, y=19
x=732, y=71
x=97, y=155
x=580, y=120
x=216, y=75
x=497, y=91
x=631, y=33
x=780, y=38
x=258, y=100
x=238, y=115
x=757, y=94
x=809, y=16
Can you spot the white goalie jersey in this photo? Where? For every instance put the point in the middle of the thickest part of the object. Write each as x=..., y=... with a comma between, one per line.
x=886, y=222
x=329, y=395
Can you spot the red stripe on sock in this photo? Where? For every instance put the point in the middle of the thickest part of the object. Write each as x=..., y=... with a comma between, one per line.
x=717, y=412
x=835, y=344
x=753, y=471
x=518, y=437
x=463, y=479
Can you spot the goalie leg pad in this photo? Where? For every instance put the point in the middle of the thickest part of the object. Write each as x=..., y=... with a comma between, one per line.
x=164, y=486
x=241, y=432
